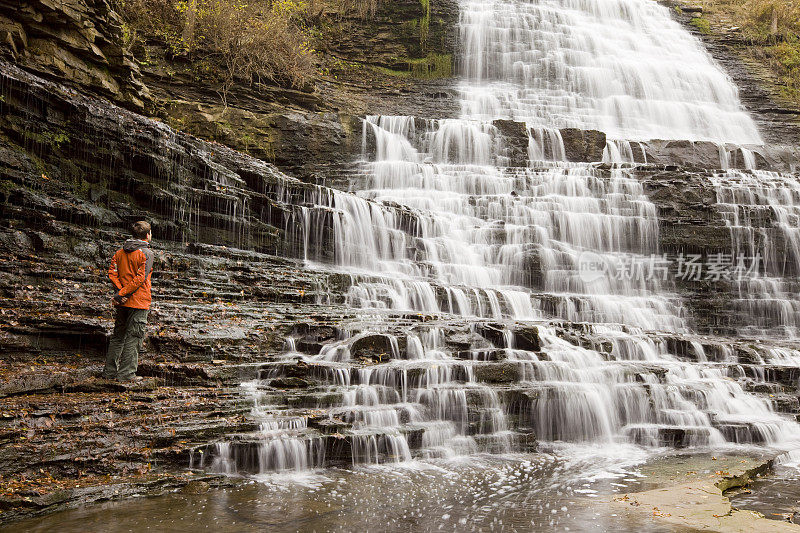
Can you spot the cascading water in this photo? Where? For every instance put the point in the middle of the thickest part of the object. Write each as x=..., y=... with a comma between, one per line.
x=762, y=210
x=533, y=333
x=620, y=66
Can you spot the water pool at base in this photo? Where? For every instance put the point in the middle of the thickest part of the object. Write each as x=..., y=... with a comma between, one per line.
x=549, y=491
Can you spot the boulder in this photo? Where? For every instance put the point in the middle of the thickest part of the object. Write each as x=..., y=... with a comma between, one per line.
x=494, y=333
x=515, y=141
x=196, y=487
x=482, y=355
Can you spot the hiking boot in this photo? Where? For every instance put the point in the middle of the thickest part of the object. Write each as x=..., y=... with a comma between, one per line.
x=132, y=379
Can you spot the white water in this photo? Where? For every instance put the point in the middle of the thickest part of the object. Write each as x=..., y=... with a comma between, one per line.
x=620, y=66
x=491, y=238
x=762, y=210
x=443, y=227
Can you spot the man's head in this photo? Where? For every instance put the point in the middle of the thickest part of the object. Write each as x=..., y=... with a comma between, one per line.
x=141, y=230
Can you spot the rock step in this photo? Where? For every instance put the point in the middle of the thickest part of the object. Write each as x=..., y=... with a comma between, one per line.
x=668, y=436
x=784, y=403
x=744, y=433
x=495, y=371
x=300, y=450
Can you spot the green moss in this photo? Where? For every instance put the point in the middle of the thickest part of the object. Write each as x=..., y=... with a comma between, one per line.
x=787, y=56
x=60, y=138
x=703, y=25
x=48, y=138
x=7, y=187
x=347, y=125
x=431, y=67
x=425, y=21
x=336, y=67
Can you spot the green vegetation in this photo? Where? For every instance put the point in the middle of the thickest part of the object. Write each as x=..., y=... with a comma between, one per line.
x=47, y=138
x=426, y=68
x=425, y=21
x=772, y=27
x=261, y=40
x=290, y=43
x=433, y=66
x=702, y=25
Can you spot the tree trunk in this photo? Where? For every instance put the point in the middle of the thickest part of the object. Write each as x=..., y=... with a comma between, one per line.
x=774, y=28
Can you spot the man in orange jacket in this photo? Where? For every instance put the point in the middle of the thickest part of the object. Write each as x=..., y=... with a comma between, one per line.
x=130, y=271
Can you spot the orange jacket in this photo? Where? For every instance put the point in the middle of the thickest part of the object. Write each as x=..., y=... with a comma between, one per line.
x=130, y=271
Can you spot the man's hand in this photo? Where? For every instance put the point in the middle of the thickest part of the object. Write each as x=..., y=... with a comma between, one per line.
x=117, y=300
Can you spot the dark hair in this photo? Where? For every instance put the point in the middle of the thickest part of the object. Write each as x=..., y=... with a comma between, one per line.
x=140, y=229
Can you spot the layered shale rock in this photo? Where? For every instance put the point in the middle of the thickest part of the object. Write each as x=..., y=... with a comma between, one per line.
x=78, y=42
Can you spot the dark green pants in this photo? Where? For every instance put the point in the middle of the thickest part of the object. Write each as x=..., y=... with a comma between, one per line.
x=126, y=341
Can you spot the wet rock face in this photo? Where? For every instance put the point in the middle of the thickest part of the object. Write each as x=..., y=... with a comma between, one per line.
x=590, y=146
x=708, y=155
x=689, y=219
x=510, y=336
x=498, y=373
x=101, y=166
x=311, y=338
x=527, y=338
x=78, y=42
x=693, y=223
x=289, y=383
x=305, y=142
x=580, y=146
x=583, y=145
x=514, y=137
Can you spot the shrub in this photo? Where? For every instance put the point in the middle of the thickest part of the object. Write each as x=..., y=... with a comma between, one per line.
x=255, y=42
x=702, y=25
x=769, y=19
x=259, y=40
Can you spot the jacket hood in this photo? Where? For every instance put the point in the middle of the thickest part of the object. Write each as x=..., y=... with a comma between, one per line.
x=131, y=245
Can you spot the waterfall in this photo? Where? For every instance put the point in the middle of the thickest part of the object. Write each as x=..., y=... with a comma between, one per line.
x=620, y=66
x=472, y=227
x=497, y=312
x=762, y=210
